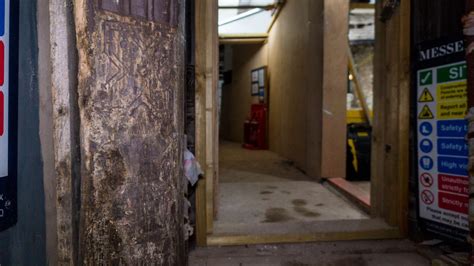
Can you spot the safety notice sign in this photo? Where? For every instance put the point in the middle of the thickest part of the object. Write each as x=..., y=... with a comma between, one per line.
x=441, y=129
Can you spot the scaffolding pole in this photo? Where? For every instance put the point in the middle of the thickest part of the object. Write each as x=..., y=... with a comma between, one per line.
x=358, y=86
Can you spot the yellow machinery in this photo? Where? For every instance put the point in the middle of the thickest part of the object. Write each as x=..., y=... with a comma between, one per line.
x=356, y=116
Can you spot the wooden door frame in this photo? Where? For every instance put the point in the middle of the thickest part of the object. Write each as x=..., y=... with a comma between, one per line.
x=390, y=166
x=207, y=140
x=391, y=129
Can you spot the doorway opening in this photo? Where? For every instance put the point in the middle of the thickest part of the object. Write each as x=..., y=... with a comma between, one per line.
x=360, y=105
x=293, y=110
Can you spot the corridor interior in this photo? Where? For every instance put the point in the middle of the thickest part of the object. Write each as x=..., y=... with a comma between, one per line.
x=268, y=127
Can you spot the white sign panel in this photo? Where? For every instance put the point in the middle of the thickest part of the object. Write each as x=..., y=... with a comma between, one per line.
x=442, y=148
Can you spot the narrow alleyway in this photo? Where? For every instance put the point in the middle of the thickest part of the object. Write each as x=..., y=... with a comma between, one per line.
x=355, y=253
x=262, y=192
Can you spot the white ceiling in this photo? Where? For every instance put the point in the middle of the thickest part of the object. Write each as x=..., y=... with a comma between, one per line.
x=255, y=21
x=242, y=21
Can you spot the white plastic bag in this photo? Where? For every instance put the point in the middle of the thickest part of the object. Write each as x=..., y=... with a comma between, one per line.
x=192, y=170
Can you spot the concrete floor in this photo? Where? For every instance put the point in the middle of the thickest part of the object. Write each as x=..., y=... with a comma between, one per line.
x=348, y=253
x=259, y=188
x=241, y=165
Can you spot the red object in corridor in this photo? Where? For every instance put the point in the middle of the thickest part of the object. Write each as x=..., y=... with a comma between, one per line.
x=255, y=129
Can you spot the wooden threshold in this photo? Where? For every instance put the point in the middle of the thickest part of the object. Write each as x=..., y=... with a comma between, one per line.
x=232, y=240
x=301, y=232
x=352, y=192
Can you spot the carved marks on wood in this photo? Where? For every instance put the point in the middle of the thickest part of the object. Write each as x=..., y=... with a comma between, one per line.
x=132, y=134
x=133, y=73
x=162, y=11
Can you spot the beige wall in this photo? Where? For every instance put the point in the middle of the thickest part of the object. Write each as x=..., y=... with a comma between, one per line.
x=308, y=68
x=289, y=78
x=306, y=123
x=236, y=97
x=334, y=89
x=295, y=80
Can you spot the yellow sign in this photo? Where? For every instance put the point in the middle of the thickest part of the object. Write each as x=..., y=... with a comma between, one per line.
x=453, y=91
x=452, y=110
x=426, y=96
x=426, y=113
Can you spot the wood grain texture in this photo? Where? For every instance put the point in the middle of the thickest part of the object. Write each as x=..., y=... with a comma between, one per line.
x=295, y=59
x=162, y=11
x=207, y=141
x=65, y=133
x=390, y=159
x=404, y=114
x=131, y=75
x=436, y=19
x=233, y=240
x=334, y=89
x=378, y=136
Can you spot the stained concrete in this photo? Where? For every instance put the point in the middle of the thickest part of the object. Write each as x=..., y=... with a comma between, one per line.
x=261, y=191
x=265, y=202
x=241, y=165
x=377, y=253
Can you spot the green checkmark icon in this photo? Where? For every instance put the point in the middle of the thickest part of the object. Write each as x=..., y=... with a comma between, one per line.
x=426, y=77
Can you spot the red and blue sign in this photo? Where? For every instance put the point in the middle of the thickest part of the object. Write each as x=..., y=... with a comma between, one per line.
x=453, y=147
x=426, y=129
x=453, y=165
x=452, y=129
x=426, y=146
x=442, y=150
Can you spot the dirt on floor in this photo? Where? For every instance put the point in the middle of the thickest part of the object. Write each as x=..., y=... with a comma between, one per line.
x=347, y=253
x=260, y=189
x=241, y=165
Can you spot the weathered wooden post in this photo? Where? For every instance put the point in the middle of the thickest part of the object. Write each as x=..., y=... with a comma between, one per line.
x=468, y=21
x=131, y=73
